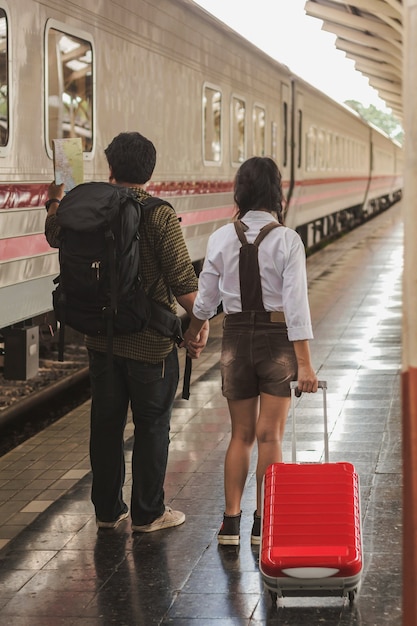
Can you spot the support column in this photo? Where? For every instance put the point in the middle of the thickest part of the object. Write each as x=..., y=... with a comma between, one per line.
x=409, y=373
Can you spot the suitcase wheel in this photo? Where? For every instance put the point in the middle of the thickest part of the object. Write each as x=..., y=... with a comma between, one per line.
x=274, y=596
x=352, y=596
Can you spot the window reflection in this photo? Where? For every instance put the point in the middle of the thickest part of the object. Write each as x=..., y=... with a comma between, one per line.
x=212, y=109
x=311, y=149
x=258, y=131
x=4, y=80
x=274, y=135
x=70, y=88
x=238, y=127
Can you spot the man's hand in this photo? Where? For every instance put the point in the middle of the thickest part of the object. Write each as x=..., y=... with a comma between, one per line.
x=55, y=192
x=196, y=343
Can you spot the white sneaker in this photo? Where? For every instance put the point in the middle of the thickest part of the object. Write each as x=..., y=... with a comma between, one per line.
x=114, y=524
x=167, y=520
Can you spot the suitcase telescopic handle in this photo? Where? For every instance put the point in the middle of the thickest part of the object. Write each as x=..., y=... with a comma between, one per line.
x=322, y=385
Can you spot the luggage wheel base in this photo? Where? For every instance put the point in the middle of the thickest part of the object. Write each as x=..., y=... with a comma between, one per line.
x=352, y=595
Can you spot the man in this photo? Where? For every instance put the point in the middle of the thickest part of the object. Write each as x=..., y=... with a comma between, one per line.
x=145, y=364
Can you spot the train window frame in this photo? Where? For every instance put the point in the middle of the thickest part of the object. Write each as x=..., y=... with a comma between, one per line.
x=311, y=149
x=274, y=140
x=80, y=34
x=237, y=98
x=284, y=133
x=321, y=149
x=299, y=138
x=327, y=149
x=206, y=161
x=5, y=149
x=256, y=108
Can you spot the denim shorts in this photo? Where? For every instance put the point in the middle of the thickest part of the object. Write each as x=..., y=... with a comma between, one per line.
x=256, y=357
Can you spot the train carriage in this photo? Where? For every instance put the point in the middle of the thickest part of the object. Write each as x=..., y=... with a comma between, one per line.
x=206, y=97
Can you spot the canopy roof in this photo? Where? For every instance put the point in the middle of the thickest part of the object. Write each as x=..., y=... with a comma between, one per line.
x=371, y=34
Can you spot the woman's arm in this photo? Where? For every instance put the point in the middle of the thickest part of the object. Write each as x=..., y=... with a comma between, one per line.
x=307, y=379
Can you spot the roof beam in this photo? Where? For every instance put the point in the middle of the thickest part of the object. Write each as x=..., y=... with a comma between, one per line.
x=377, y=69
x=361, y=23
x=388, y=86
x=354, y=50
x=381, y=8
x=366, y=40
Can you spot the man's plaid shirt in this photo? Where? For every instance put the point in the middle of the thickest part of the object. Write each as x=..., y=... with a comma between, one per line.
x=165, y=264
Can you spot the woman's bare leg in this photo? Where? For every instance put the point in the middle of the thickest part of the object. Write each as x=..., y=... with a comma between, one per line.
x=270, y=429
x=243, y=415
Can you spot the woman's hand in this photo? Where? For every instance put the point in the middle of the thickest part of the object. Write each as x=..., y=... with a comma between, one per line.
x=196, y=343
x=307, y=379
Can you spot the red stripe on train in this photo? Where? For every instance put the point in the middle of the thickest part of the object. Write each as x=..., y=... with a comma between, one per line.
x=23, y=247
x=23, y=195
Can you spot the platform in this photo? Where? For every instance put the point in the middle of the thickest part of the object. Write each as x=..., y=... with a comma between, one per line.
x=57, y=570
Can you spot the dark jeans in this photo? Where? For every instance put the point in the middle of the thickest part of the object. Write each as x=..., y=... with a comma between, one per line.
x=151, y=390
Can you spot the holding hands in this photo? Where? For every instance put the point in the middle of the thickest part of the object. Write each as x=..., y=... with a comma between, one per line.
x=195, y=342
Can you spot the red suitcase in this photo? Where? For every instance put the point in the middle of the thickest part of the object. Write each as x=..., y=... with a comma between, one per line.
x=311, y=525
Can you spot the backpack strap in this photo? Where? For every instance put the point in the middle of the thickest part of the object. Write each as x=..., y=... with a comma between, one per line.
x=60, y=304
x=265, y=230
x=249, y=276
x=240, y=228
x=110, y=312
x=187, y=377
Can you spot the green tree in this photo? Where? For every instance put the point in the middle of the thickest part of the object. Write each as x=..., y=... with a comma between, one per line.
x=385, y=121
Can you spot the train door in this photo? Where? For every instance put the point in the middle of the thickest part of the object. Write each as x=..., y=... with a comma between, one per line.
x=283, y=154
x=295, y=153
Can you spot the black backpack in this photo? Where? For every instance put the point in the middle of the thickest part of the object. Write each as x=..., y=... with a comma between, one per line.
x=99, y=289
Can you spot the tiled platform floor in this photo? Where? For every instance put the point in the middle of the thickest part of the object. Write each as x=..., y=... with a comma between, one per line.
x=57, y=570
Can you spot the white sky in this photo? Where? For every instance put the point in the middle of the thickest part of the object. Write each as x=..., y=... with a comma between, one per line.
x=283, y=30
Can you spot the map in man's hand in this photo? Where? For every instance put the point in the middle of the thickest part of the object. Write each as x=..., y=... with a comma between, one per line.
x=68, y=162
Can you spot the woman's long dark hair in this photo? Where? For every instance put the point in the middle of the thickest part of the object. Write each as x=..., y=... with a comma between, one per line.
x=258, y=187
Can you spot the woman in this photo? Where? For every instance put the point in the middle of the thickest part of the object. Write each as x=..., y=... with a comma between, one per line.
x=266, y=331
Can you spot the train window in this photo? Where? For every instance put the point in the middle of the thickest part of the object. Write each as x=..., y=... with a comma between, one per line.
x=285, y=134
x=299, y=137
x=212, y=126
x=349, y=154
x=69, y=106
x=336, y=152
x=311, y=149
x=274, y=134
x=321, y=155
x=4, y=80
x=328, y=151
x=238, y=130
x=342, y=157
x=258, y=131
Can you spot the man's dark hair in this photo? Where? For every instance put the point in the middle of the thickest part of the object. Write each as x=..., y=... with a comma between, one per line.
x=131, y=157
x=258, y=186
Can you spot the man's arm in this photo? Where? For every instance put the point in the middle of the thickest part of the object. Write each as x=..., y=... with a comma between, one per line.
x=197, y=342
x=52, y=230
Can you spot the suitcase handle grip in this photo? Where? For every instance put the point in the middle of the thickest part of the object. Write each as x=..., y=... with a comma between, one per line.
x=322, y=384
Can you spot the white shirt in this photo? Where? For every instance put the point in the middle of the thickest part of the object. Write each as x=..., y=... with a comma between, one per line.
x=282, y=269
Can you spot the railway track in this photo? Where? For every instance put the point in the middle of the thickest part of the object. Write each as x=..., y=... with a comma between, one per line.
x=28, y=406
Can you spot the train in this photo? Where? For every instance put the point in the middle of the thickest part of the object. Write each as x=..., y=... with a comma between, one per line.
x=205, y=96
